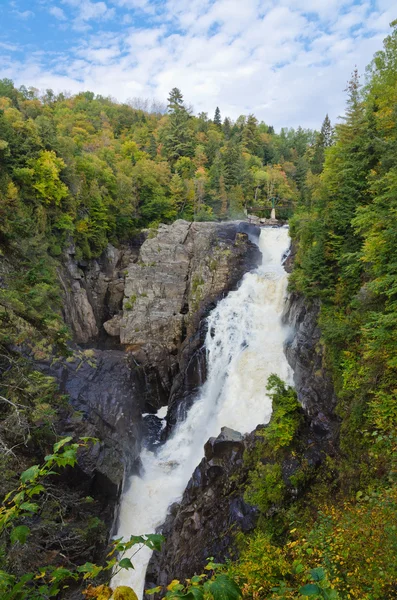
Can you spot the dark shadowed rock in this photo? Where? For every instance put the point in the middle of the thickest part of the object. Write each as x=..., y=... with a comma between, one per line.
x=305, y=354
x=211, y=511
x=107, y=391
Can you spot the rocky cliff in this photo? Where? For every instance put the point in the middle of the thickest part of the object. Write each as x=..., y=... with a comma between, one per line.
x=139, y=313
x=305, y=354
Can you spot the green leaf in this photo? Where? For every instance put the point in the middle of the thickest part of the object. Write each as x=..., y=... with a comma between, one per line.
x=37, y=489
x=125, y=563
x=154, y=541
x=310, y=589
x=318, y=574
x=299, y=568
x=61, y=443
x=155, y=590
x=30, y=474
x=224, y=588
x=91, y=571
x=29, y=507
x=195, y=593
x=19, y=534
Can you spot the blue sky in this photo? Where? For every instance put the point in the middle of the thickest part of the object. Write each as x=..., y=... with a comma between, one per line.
x=287, y=62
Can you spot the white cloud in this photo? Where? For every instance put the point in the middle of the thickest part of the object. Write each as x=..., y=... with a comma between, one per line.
x=286, y=61
x=57, y=12
x=25, y=14
x=89, y=11
x=10, y=47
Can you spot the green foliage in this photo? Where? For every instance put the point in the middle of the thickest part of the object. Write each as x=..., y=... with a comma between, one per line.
x=286, y=415
x=265, y=486
x=347, y=255
x=95, y=170
x=214, y=583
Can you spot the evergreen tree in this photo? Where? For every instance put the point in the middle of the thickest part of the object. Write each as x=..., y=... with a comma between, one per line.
x=175, y=101
x=217, y=117
x=152, y=147
x=250, y=134
x=232, y=164
x=178, y=139
x=227, y=128
x=327, y=132
x=324, y=140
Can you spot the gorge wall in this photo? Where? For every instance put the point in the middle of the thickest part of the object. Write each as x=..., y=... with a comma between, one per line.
x=138, y=319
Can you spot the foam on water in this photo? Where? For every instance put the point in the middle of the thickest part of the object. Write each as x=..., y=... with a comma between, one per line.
x=244, y=346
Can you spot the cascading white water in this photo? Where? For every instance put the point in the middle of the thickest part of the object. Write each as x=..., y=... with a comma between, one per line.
x=244, y=346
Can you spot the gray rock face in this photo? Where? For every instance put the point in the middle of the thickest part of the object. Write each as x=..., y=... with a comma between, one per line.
x=305, y=354
x=93, y=290
x=108, y=393
x=180, y=274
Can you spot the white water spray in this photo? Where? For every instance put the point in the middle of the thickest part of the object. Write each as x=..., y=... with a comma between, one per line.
x=244, y=346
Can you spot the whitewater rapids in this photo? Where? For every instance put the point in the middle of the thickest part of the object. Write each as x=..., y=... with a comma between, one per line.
x=244, y=345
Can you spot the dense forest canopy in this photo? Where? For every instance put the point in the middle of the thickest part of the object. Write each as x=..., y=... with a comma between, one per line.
x=87, y=167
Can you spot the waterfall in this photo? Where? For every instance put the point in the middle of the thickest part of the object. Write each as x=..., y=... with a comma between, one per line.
x=244, y=345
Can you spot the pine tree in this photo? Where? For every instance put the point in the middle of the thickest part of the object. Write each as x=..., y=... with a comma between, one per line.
x=152, y=147
x=217, y=117
x=178, y=140
x=324, y=140
x=227, y=128
x=327, y=132
x=250, y=138
x=175, y=101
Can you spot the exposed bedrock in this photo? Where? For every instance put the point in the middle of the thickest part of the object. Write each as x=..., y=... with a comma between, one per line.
x=305, y=354
x=107, y=394
x=151, y=301
x=139, y=313
x=180, y=275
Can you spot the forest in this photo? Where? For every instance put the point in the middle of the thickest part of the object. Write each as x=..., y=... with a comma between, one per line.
x=89, y=169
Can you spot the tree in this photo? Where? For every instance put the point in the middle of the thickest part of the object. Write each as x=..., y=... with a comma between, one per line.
x=227, y=128
x=324, y=140
x=175, y=101
x=327, y=132
x=178, y=139
x=251, y=139
x=217, y=117
x=223, y=197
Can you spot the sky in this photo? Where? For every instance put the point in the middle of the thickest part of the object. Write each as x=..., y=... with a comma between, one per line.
x=287, y=62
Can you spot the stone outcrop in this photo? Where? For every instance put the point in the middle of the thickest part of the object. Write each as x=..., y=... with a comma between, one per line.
x=212, y=509
x=305, y=354
x=107, y=392
x=180, y=274
x=93, y=290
